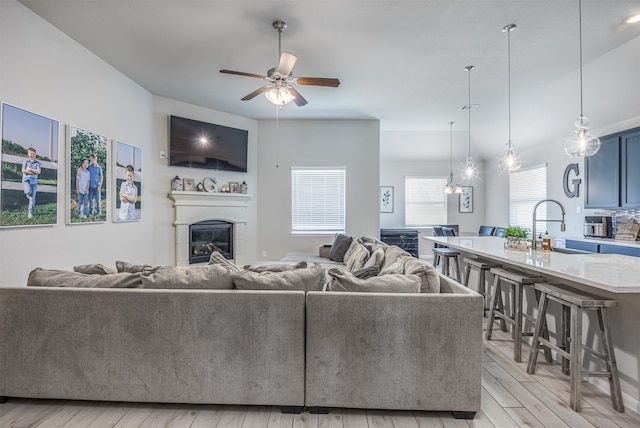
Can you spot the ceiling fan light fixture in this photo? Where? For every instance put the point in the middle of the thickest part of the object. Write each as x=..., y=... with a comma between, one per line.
x=632, y=20
x=280, y=95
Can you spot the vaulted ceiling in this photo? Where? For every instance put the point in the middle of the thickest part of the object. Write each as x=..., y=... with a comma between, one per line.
x=399, y=61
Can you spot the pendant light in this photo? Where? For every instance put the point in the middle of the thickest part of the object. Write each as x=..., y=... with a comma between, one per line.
x=470, y=171
x=509, y=162
x=582, y=143
x=451, y=187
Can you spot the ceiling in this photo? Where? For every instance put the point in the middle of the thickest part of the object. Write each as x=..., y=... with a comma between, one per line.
x=399, y=61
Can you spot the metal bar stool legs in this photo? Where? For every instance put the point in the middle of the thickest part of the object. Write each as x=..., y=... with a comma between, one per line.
x=518, y=281
x=570, y=346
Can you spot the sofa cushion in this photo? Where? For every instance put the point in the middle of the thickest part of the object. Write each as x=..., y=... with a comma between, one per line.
x=218, y=259
x=278, y=267
x=358, y=258
x=391, y=255
x=367, y=272
x=376, y=258
x=61, y=278
x=215, y=277
x=339, y=247
x=130, y=267
x=94, y=269
x=309, y=279
x=395, y=268
x=346, y=281
x=430, y=280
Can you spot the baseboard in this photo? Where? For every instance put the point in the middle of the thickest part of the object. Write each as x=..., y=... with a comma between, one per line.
x=603, y=385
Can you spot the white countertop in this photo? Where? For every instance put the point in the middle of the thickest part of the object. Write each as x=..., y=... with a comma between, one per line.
x=608, y=241
x=611, y=272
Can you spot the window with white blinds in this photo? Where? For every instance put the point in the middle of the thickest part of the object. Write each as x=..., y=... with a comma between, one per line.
x=424, y=201
x=526, y=189
x=317, y=201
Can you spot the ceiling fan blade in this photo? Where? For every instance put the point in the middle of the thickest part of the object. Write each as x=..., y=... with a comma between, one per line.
x=257, y=92
x=299, y=99
x=317, y=81
x=241, y=73
x=286, y=63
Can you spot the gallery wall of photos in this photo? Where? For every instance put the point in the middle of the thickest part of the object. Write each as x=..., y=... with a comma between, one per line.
x=101, y=173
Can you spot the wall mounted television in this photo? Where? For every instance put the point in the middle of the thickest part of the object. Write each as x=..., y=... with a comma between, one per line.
x=196, y=144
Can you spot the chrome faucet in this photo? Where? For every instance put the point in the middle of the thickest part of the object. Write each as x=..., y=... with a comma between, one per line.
x=562, y=226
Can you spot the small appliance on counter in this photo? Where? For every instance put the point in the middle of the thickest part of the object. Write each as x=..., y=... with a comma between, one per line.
x=598, y=227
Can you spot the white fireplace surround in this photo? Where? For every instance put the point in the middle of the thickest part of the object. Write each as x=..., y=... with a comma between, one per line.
x=194, y=207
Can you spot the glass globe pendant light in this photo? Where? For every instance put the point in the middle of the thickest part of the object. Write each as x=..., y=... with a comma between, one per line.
x=582, y=143
x=451, y=187
x=509, y=162
x=470, y=171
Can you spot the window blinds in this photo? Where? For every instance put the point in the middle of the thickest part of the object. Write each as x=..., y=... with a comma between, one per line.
x=317, y=200
x=526, y=189
x=425, y=201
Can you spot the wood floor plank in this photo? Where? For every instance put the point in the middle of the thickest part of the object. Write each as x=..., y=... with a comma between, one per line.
x=352, y=418
x=330, y=420
x=135, y=416
x=305, y=420
x=379, y=419
x=278, y=419
x=111, y=416
x=233, y=416
x=87, y=414
x=560, y=408
x=523, y=417
x=208, y=416
x=37, y=412
x=403, y=419
x=494, y=412
x=499, y=393
x=429, y=419
x=258, y=416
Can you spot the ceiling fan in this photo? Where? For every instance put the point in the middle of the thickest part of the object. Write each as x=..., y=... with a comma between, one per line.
x=280, y=91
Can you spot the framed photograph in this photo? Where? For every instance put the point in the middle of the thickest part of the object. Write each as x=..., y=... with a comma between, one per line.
x=466, y=200
x=28, y=141
x=386, y=199
x=87, y=172
x=189, y=184
x=234, y=187
x=128, y=180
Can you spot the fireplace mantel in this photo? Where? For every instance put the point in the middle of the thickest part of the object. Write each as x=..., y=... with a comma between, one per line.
x=194, y=207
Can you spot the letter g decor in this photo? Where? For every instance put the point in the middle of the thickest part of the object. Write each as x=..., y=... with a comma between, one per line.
x=575, y=191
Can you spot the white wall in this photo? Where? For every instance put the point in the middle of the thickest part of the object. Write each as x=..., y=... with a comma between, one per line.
x=47, y=73
x=354, y=144
x=44, y=71
x=162, y=206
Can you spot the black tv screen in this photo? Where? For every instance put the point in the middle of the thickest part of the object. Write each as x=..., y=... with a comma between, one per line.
x=196, y=144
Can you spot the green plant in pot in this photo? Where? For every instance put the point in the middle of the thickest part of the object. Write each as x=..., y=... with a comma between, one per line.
x=516, y=237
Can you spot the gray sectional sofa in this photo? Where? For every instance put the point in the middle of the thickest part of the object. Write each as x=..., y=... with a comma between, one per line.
x=290, y=348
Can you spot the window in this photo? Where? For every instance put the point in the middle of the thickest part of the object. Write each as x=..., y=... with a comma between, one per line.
x=317, y=201
x=526, y=189
x=425, y=203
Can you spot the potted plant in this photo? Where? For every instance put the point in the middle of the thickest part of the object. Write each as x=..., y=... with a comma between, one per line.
x=516, y=237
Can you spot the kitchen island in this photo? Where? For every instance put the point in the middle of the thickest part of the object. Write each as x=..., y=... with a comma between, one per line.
x=610, y=275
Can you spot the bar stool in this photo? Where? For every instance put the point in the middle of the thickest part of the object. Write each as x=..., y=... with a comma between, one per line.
x=482, y=266
x=446, y=254
x=518, y=281
x=570, y=346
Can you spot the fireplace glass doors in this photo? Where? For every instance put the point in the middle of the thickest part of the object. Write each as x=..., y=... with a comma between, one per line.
x=208, y=236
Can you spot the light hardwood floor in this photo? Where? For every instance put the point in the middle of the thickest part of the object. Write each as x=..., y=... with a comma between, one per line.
x=510, y=398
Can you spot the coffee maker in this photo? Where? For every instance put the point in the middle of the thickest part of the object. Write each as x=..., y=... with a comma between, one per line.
x=598, y=227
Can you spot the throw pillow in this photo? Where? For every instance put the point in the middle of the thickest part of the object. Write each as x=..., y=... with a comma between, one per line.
x=213, y=277
x=276, y=267
x=429, y=277
x=352, y=247
x=367, y=272
x=60, y=278
x=130, y=267
x=217, y=258
x=346, y=281
x=396, y=268
x=358, y=258
x=94, y=269
x=309, y=279
x=376, y=258
x=339, y=247
x=391, y=255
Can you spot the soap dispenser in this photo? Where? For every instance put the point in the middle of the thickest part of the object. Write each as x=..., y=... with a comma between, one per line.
x=546, y=242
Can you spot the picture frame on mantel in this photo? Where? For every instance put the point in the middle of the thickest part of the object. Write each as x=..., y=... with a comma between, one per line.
x=386, y=199
x=466, y=200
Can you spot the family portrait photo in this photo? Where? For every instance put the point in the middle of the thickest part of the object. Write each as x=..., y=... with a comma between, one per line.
x=29, y=164
x=87, y=168
x=128, y=172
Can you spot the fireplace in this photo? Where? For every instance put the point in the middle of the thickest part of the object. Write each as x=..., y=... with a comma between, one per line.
x=205, y=237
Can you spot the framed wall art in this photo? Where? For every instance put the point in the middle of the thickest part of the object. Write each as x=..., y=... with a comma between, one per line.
x=386, y=199
x=88, y=185
x=128, y=181
x=466, y=200
x=29, y=143
x=189, y=184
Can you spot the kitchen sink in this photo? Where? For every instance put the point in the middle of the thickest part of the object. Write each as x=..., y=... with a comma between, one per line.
x=569, y=251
